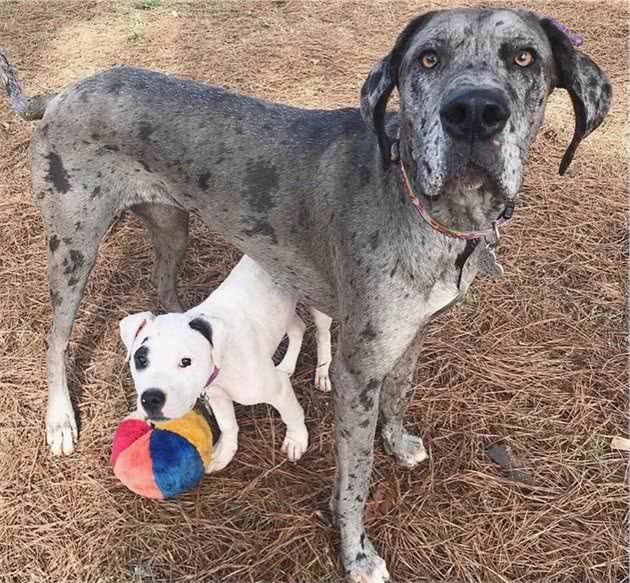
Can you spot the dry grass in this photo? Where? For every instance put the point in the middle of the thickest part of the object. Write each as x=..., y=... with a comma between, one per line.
x=536, y=360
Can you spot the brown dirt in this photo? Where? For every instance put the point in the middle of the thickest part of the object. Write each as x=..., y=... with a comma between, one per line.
x=535, y=361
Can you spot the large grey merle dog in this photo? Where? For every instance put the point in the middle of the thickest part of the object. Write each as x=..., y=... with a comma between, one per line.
x=379, y=219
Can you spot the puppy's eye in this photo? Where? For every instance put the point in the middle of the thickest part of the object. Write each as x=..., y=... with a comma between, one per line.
x=429, y=59
x=524, y=58
x=184, y=362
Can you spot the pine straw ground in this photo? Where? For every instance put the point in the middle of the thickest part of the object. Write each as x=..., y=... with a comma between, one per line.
x=536, y=361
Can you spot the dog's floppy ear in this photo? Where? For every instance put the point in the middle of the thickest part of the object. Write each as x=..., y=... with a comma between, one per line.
x=585, y=82
x=380, y=83
x=131, y=326
x=202, y=326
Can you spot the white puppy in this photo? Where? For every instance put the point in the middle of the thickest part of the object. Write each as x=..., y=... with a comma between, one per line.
x=222, y=349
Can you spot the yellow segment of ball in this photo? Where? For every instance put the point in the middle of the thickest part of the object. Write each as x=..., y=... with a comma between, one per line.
x=194, y=428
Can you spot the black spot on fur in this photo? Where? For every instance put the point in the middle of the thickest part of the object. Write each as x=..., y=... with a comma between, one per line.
x=67, y=240
x=365, y=399
x=55, y=299
x=461, y=259
x=73, y=262
x=57, y=174
x=111, y=147
x=374, y=240
x=145, y=131
x=114, y=87
x=96, y=193
x=145, y=166
x=203, y=327
x=95, y=136
x=73, y=281
x=53, y=243
x=203, y=180
x=364, y=423
x=369, y=332
x=360, y=556
x=362, y=540
x=261, y=179
x=141, y=358
x=263, y=228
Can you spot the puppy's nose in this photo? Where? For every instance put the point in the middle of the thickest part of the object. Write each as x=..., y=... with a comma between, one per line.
x=152, y=401
x=470, y=113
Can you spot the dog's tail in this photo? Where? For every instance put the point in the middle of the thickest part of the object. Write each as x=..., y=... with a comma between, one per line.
x=28, y=108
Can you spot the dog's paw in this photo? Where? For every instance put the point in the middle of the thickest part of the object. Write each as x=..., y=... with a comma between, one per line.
x=322, y=379
x=222, y=454
x=61, y=427
x=409, y=452
x=366, y=566
x=295, y=444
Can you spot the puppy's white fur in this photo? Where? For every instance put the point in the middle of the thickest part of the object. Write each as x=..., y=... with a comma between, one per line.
x=248, y=316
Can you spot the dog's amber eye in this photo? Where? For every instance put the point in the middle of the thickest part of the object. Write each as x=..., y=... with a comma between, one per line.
x=184, y=362
x=429, y=59
x=524, y=58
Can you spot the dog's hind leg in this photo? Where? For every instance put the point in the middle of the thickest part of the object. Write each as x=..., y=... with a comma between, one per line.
x=408, y=449
x=295, y=333
x=324, y=350
x=168, y=226
x=73, y=241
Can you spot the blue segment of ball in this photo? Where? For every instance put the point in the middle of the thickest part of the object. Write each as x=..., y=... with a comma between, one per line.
x=177, y=466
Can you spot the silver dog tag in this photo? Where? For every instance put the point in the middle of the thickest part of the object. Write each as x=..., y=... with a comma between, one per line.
x=488, y=262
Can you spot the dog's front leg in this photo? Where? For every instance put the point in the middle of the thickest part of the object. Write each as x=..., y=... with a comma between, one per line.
x=371, y=341
x=225, y=448
x=356, y=412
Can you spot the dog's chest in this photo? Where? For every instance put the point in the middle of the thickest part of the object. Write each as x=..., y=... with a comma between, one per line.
x=451, y=287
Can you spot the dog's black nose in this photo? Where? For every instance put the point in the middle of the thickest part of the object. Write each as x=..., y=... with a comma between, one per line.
x=470, y=113
x=152, y=400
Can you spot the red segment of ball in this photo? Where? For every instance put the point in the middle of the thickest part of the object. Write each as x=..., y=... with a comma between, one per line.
x=128, y=431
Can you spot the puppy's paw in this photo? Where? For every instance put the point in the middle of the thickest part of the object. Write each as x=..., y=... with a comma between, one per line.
x=61, y=426
x=295, y=444
x=366, y=566
x=322, y=379
x=222, y=454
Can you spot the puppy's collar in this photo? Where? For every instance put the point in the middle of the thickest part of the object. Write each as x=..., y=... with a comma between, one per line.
x=468, y=235
x=213, y=375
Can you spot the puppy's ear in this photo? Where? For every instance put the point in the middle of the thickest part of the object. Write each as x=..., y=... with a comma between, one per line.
x=585, y=82
x=131, y=326
x=202, y=326
x=380, y=83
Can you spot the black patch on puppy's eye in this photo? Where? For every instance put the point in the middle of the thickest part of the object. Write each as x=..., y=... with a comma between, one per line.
x=141, y=358
x=203, y=327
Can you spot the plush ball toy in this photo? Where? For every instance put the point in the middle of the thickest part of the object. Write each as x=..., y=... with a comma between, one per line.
x=162, y=459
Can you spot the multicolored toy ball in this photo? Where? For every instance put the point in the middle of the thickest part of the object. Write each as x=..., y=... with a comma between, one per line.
x=162, y=459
